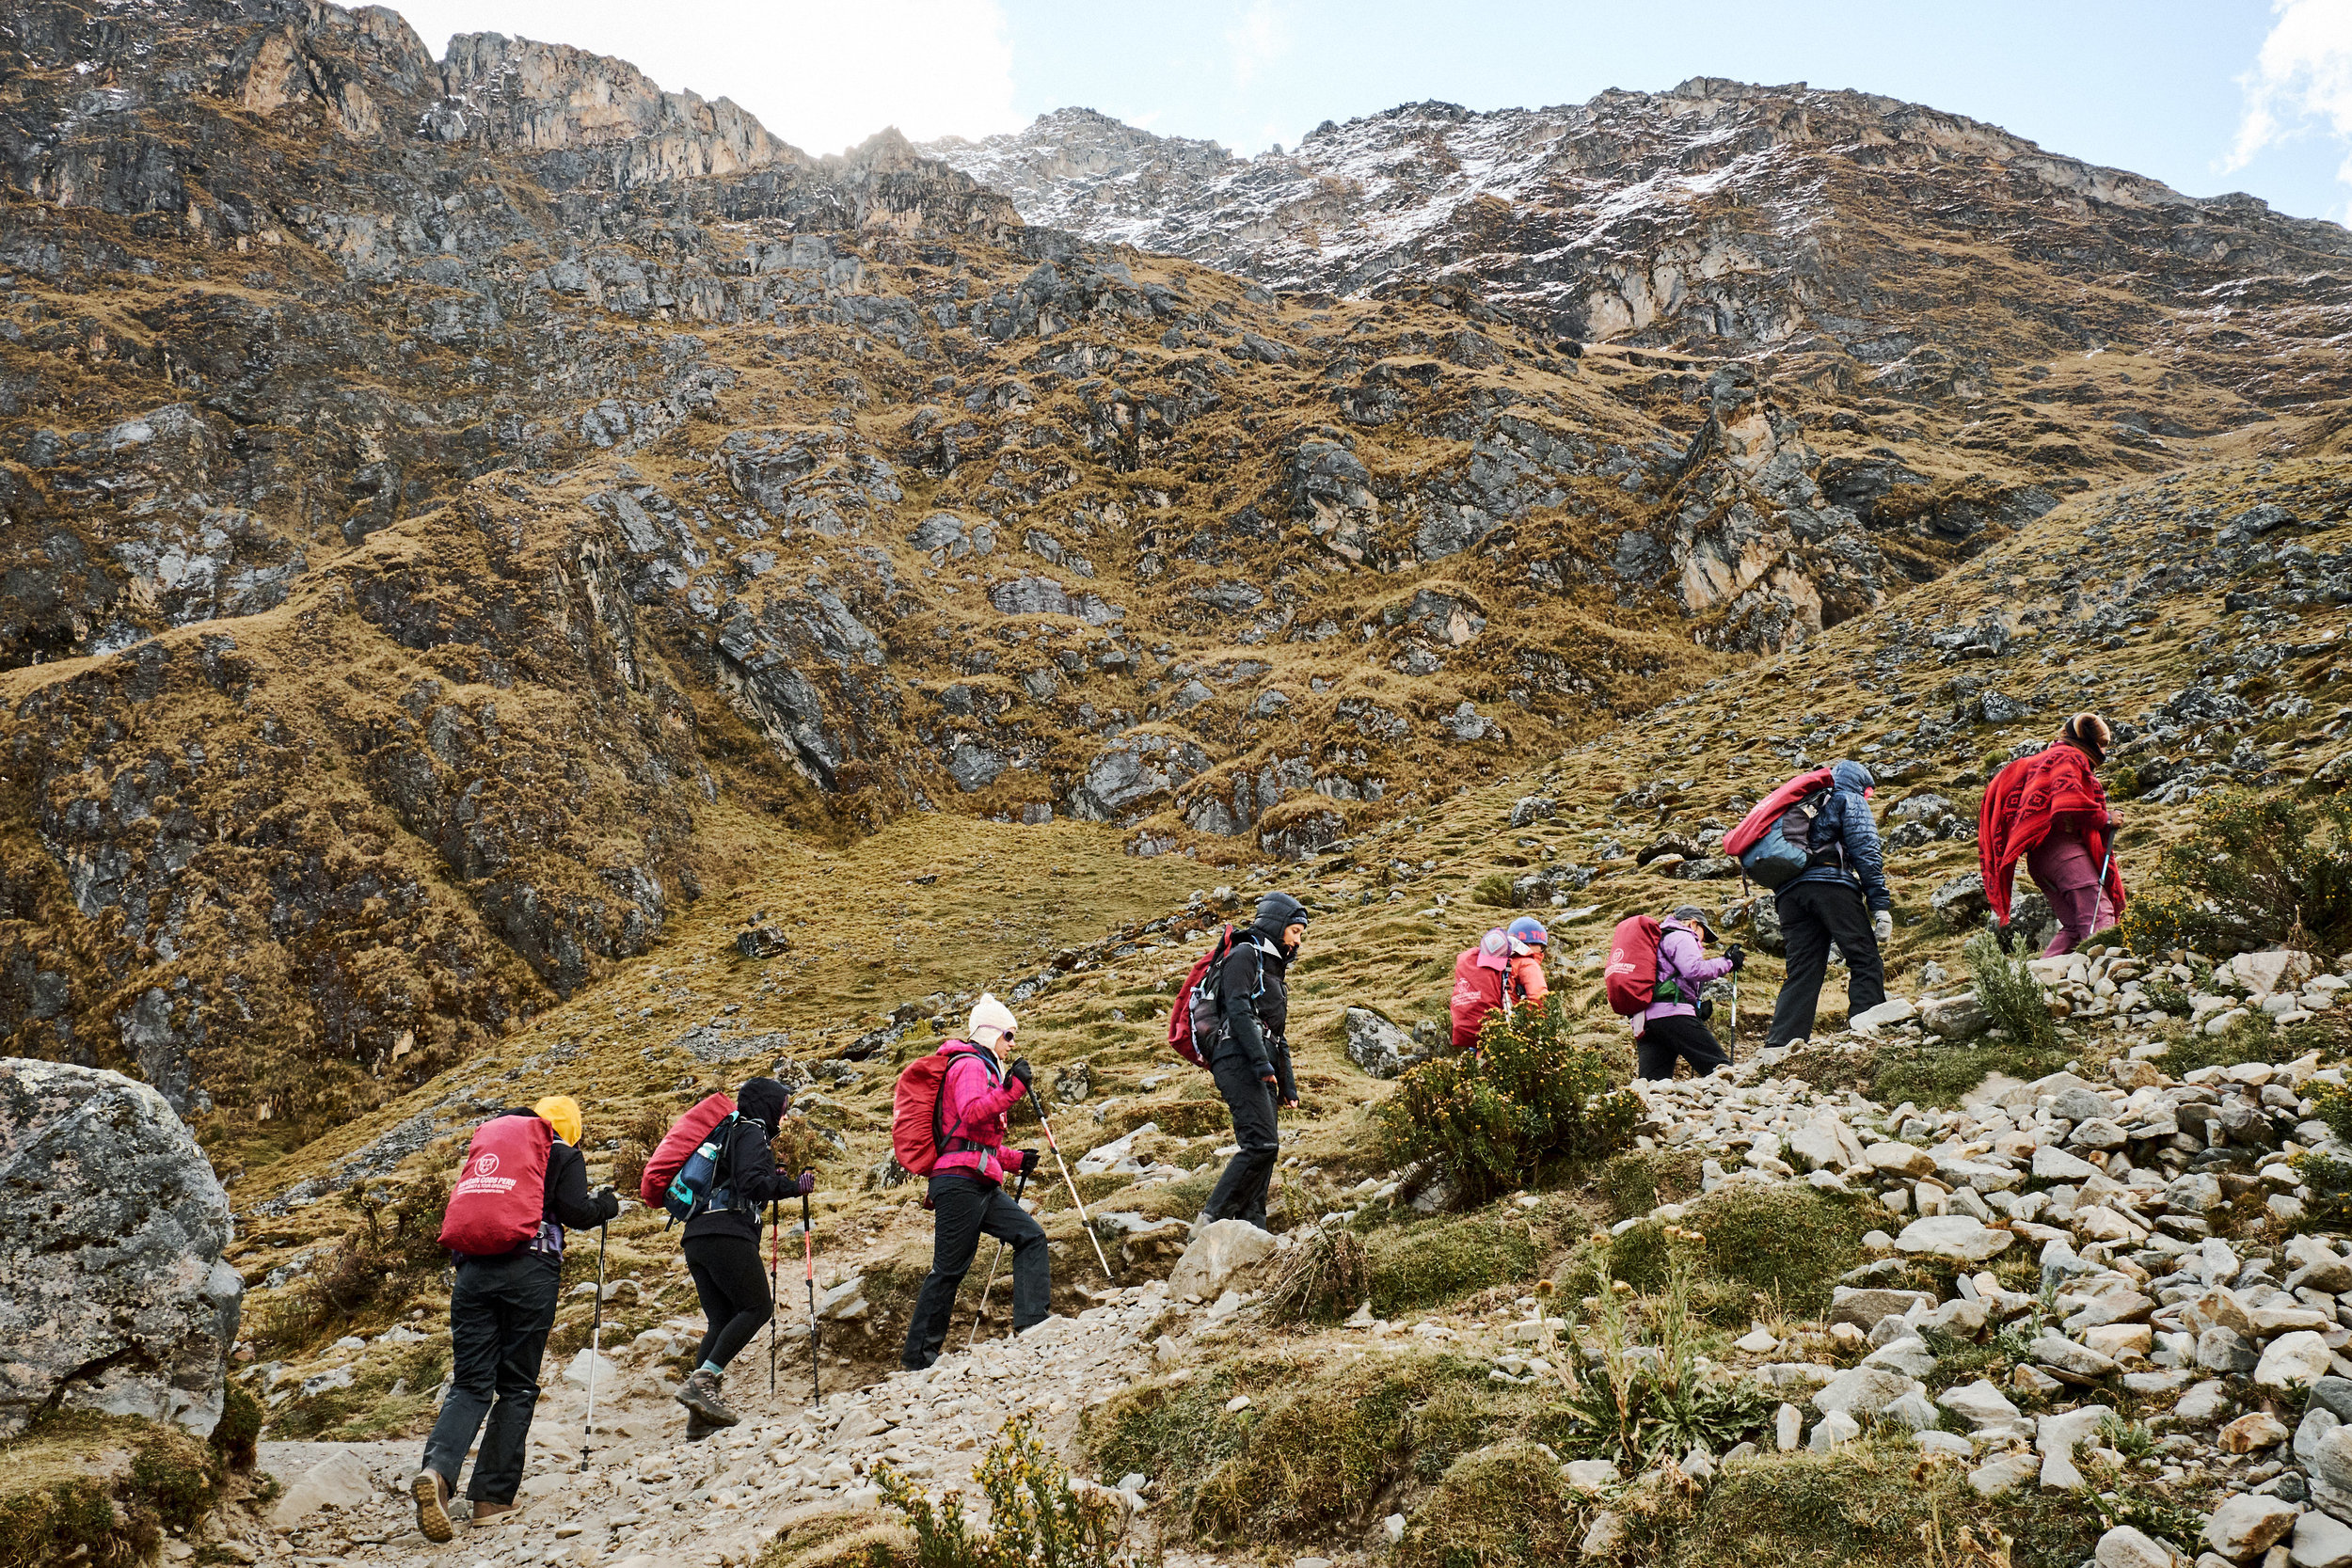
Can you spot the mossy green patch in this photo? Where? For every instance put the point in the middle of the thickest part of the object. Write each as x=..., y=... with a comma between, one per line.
x=1503, y=1507
x=1785, y=1243
x=1444, y=1259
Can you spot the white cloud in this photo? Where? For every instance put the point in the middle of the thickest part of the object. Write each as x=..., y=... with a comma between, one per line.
x=822, y=76
x=2301, y=81
x=1259, y=37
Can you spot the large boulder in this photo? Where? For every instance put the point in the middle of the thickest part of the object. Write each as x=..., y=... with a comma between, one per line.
x=1375, y=1044
x=1220, y=1250
x=116, y=1297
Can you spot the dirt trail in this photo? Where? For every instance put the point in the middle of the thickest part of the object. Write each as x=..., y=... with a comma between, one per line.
x=651, y=1500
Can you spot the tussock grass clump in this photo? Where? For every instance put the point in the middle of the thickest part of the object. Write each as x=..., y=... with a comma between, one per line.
x=1864, y=1506
x=1321, y=1280
x=59, y=1505
x=2008, y=993
x=1502, y=1507
x=1926, y=1073
x=2254, y=870
x=1444, y=1259
x=1640, y=1179
x=1531, y=1102
x=1785, y=1243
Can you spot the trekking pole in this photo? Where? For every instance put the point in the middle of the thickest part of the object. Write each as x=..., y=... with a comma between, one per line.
x=808, y=1257
x=1018, y=1188
x=595, y=1352
x=774, y=1242
x=1039, y=1107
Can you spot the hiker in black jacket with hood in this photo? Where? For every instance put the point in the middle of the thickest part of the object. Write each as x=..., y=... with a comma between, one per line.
x=721, y=1247
x=1251, y=1059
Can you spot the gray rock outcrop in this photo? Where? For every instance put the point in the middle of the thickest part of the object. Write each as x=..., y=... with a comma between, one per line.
x=117, y=1299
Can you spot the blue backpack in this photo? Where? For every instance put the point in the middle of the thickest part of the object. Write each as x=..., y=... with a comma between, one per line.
x=1785, y=850
x=691, y=1190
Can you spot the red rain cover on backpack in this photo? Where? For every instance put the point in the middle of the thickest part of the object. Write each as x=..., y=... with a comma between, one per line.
x=1768, y=811
x=1631, y=974
x=915, y=1131
x=678, y=1144
x=1181, y=1038
x=502, y=1190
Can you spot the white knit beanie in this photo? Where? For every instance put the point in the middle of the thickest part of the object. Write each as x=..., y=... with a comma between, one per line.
x=989, y=1013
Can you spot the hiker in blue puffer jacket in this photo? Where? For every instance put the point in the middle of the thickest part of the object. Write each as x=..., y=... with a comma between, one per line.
x=1841, y=897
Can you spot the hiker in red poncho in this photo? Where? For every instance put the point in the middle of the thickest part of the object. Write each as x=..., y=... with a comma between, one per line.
x=2049, y=810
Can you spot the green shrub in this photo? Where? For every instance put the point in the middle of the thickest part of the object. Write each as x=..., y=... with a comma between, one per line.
x=239, y=1429
x=71, y=1521
x=1650, y=1401
x=2331, y=1103
x=1530, y=1101
x=1444, y=1259
x=2254, y=871
x=2008, y=993
x=176, y=1476
x=1035, y=1519
x=1503, y=1507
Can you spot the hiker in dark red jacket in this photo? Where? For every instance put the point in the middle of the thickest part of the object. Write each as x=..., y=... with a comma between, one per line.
x=501, y=1311
x=967, y=1185
x=2050, y=810
x=721, y=1247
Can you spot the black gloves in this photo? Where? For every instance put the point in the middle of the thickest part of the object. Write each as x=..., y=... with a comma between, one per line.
x=1737, y=956
x=1025, y=1159
x=1022, y=1070
x=607, y=1205
x=807, y=1182
x=1707, y=1006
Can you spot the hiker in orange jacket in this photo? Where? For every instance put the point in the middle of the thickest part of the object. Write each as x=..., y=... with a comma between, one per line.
x=1505, y=969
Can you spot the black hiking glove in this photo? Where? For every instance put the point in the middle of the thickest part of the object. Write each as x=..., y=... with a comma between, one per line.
x=1736, y=955
x=607, y=1205
x=1025, y=1159
x=1022, y=1071
x=808, y=1181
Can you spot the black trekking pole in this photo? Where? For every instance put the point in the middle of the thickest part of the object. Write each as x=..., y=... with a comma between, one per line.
x=1018, y=1188
x=808, y=1254
x=774, y=1242
x=595, y=1351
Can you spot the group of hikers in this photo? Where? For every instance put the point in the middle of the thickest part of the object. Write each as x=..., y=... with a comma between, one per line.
x=1813, y=842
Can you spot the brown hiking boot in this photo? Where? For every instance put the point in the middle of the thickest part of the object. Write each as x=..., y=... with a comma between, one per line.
x=696, y=1428
x=488, y=1512
x=432, y=1494
x=700, y=1394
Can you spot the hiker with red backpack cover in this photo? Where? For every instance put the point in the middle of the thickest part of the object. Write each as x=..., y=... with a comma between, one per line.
x=523, y=1181
x=1503, y=970
x=1250, y=1053
x=721, y=1245
x=2050, y=811
x=950, y=1124
x=1840, y=899
x=1670, y=1025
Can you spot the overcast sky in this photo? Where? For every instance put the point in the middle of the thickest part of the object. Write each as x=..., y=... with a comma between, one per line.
x=2207, y=95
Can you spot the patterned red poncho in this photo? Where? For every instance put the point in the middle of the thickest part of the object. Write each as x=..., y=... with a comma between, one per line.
x=2053, y=790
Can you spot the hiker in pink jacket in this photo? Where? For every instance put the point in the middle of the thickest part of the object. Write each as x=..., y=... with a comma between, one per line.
x=966, y=1185
x=1669, y=1027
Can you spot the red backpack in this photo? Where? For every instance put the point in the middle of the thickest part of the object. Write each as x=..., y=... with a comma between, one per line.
x=915, y=1135
x=502, y=1191
x=1478, y=990
x=1631, y=974
x=678, y=1144
x=1193, y=1023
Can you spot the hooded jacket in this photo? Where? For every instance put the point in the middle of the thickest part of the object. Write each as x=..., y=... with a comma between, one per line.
x=975, y=1100
x=1253, y=990
x=1846, y=840
x=747, y=1180
x=1681, y=959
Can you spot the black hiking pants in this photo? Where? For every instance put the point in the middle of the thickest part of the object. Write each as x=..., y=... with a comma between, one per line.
x=1664, y=1040
x=499, y=1314
x=1241, y=1192
x=1813, y=915
x=734, y=1291
x=969, y=1209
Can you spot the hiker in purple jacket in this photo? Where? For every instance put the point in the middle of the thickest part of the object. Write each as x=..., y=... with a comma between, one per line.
x=1670, y=1027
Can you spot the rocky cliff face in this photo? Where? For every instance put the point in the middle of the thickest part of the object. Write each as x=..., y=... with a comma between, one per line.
x=457, y=511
